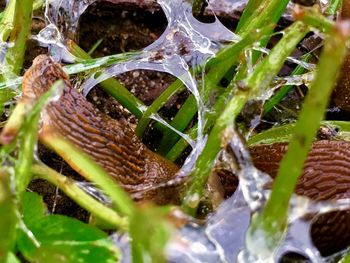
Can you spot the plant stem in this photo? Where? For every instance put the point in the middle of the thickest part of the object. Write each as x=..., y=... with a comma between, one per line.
x=256, y=83
x=273, y=220
x=95, y=46
x=71, y=189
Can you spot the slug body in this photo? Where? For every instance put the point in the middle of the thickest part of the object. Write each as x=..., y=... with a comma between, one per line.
x=326, y=176
x=111, y=144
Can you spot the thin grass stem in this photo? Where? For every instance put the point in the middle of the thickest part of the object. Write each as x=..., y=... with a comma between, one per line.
x=72, y=190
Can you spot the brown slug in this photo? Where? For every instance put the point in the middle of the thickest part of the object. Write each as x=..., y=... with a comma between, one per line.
x=326, y=176
x=110, y=143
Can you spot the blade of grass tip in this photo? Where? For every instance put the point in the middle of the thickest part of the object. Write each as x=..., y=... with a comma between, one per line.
x=19, y=35
x=28, y=138
x=274, y=135
x=72, y=190
x=95, y=46
x=257, y=82
x=91, y=171
x=8, y=217
x=113, y=87
x=283, y=91
x=217, y=68
x=272, y=222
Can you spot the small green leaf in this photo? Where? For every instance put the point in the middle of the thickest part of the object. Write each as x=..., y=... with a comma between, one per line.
x=33, y=208
x=57, y=238
x=61, y=228
x=59, y=252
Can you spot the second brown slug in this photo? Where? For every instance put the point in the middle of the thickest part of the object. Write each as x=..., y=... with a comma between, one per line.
x=111, y=144
x=326, y=176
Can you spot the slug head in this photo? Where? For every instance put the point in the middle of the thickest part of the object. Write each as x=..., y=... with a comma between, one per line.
x=41, y=76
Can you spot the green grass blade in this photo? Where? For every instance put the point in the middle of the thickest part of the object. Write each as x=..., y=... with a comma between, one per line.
x=71, y=189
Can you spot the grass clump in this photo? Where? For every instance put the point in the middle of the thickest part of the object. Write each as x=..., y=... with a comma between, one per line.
x=35, y=239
